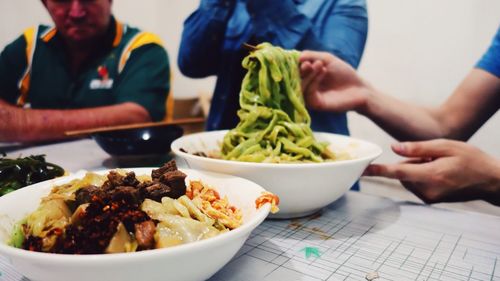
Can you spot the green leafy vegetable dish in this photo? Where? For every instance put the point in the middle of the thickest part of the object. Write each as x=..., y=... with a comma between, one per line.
x=274, y=123
x=21, y=172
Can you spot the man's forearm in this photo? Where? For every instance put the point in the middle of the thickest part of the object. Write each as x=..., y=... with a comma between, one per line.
x=31, y=125
x=474, y=101
x=402, y=120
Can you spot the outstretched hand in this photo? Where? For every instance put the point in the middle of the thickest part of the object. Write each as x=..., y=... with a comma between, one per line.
x=444, y=171
x=331, y=84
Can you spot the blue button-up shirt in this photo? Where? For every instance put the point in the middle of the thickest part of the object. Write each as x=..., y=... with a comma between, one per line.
x=214, y=33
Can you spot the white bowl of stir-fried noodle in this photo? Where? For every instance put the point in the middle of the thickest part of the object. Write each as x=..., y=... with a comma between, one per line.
x=192, y=261
x=303, y=188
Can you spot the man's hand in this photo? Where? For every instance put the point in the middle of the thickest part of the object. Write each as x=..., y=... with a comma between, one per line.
x=331, y=84
x=444, y=171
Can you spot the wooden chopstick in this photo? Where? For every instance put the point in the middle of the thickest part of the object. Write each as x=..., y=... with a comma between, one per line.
x=183, y=121
x=249, y=47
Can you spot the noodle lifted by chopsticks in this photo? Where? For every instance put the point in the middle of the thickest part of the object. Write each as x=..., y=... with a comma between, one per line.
x=274, y=123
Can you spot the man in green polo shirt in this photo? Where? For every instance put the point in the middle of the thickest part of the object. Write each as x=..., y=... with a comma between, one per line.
x=88, y=71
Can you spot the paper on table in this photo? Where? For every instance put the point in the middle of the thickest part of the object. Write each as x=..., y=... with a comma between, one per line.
x=361, y=237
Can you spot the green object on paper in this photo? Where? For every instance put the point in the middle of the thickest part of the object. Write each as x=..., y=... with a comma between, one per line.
x=311, y=251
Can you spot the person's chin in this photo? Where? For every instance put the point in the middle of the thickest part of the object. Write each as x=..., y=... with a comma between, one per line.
x=79, y=33
x=81, y=37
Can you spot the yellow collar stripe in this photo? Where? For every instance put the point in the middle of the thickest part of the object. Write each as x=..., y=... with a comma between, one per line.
x=119, y=34
x=139, y=40
x=30, y=35
x=49, y=34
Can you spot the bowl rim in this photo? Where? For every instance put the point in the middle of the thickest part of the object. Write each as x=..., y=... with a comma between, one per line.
x=107, y=134
x=175, y=148
x=69, y=259
x=116, y=143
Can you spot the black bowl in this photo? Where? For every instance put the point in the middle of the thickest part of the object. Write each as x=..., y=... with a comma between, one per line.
x=140, y=141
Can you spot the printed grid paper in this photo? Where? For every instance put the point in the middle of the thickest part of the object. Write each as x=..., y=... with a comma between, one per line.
x=362, y=236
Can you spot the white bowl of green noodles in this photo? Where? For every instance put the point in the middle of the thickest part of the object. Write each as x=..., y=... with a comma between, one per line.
x=303, y=188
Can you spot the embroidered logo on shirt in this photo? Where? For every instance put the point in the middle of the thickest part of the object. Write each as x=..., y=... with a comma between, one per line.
x=104, y=82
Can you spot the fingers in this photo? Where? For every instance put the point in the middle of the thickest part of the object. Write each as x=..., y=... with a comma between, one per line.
x=426, y=149
x=312, y=95
x=314, y=56
x=402, y=171
x=417, y=160
x=425, y=191
x=417, y=178
x=306, y=74
x=309, y=72
x=312, y=73
x=305, y=69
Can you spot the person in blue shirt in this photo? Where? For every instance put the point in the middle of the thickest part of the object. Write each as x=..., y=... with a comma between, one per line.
x=437, y=169
x=213, y=36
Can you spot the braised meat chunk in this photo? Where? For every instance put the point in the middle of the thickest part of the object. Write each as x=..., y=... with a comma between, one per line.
x=84, y=194
x=167, y=167
x=115, y=179
x=167, y=181
x=176, y=180
x=144, y=234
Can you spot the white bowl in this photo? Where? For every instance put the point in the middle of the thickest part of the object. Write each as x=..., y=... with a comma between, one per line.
x=194, y=261
x=303, y=188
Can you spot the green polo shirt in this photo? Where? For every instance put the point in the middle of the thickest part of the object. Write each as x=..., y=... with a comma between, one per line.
x=131, y=67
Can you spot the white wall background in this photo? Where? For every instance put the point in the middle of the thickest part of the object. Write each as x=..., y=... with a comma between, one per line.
x=418, y=50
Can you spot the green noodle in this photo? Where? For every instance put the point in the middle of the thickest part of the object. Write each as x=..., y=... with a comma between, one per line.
x=274, y=123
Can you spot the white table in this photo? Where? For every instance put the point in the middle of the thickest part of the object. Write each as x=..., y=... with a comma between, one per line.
x=357, y=236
